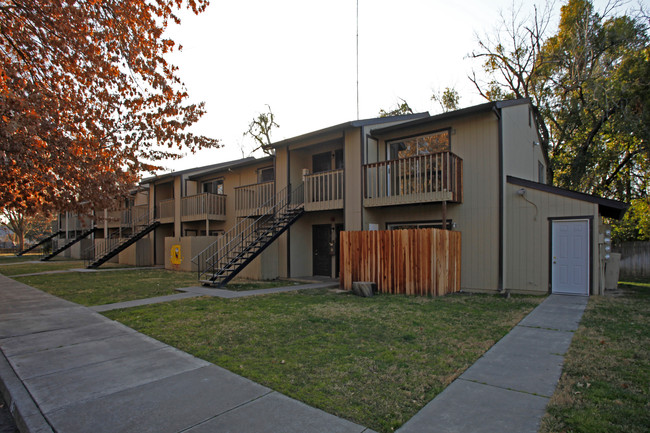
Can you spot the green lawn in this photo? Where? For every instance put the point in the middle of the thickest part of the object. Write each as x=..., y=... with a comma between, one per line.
x=605, y=384
x=98, y=288
x=375, y=361
x=28, y=268
x=242, y=285
x=12, y=258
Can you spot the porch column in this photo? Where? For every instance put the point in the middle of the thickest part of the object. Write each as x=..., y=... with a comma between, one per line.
x=444, y=215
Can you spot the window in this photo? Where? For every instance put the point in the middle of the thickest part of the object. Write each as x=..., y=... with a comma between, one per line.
x=338, y=159
x=420, y=145
x=190, y=232
x=418, y=225
x=541, y=172
x=321, y=162
x=372, y=150
x=327, y=161
x=213, y=186
x=266, y=174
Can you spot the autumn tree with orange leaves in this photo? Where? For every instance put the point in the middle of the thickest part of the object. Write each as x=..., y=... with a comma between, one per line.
x=87, y=100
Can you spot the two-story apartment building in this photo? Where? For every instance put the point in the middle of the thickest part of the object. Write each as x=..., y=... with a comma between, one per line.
x=478, y=170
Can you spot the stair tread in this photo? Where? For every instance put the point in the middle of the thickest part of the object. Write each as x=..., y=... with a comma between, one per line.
x=237, y=260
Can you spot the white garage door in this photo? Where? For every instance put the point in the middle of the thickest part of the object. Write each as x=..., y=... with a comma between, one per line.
x=570, y=257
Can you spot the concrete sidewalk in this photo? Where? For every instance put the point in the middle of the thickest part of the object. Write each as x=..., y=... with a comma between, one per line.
x=508, y=388
x=194, y=291
x=66, y=368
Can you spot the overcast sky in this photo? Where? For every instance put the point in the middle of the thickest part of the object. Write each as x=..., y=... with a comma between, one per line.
x=299, y=57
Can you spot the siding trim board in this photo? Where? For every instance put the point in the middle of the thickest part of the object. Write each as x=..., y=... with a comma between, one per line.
x=288, y=231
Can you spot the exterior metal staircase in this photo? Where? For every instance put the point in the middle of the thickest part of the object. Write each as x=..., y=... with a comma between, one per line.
x=234, y=250
x=83, y=235
x=113, y=245
x=39, y=243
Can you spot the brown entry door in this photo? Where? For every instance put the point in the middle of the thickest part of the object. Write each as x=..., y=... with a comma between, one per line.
x=321, y=250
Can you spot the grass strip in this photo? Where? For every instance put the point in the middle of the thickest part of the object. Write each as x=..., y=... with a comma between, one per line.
x=605, y=384
x=99, y=288
x=29, y=268
x=375, y=361
x=12, y=258
x=245, y=285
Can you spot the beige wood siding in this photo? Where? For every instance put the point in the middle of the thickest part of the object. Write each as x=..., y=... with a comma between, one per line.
x=528, y=236
x=301, y=240
x=353, y=184
x=141, y=198
x=475, y=140
x=231, y=179
x=520, y=155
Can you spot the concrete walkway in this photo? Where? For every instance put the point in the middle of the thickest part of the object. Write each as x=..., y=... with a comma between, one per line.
x=66, y=368
x=83, y=270
x=507, y=389
x=194, y=291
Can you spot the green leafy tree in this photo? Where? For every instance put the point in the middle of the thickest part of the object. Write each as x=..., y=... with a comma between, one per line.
x=401, y=107
x=589, y=83
x=449, y=99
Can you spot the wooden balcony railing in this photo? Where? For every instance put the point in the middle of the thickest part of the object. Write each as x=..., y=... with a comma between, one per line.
x=166, y=210
x=435, y=177
x=114, y=218
x=133, y=214
x=250, y=198
x=203, y=206
x=324, y=190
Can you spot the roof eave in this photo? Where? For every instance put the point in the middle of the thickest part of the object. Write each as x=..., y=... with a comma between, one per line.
x=351, y=124
x=463, y=112
x=606, y=207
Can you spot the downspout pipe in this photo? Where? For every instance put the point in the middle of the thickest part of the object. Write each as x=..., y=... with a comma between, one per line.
x=500, y=282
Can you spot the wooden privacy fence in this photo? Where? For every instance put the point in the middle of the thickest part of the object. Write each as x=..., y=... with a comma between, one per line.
x=635, y=259
x=412, y=262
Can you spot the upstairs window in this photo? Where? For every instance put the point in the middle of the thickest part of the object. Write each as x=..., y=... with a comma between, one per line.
x=266, y=174
x=421, y=145
x=327, y=161
x=213, y=186
x=541, y=172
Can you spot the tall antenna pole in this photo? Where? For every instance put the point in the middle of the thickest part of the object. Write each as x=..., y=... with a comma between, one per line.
x=357, y=59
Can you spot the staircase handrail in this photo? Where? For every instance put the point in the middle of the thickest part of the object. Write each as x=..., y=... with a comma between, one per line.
x=212, y=255
x=91, y=253
x=40, y=242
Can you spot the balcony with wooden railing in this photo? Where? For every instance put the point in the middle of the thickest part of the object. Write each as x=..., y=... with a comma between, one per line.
x=114, y=218
x=435, y=177
x=324, y=191
x=255, y=198
x=131, y=215
x=204, y=206
x=165, y=212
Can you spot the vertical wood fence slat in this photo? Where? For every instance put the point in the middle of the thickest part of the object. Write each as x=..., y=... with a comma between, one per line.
x=414, y=262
